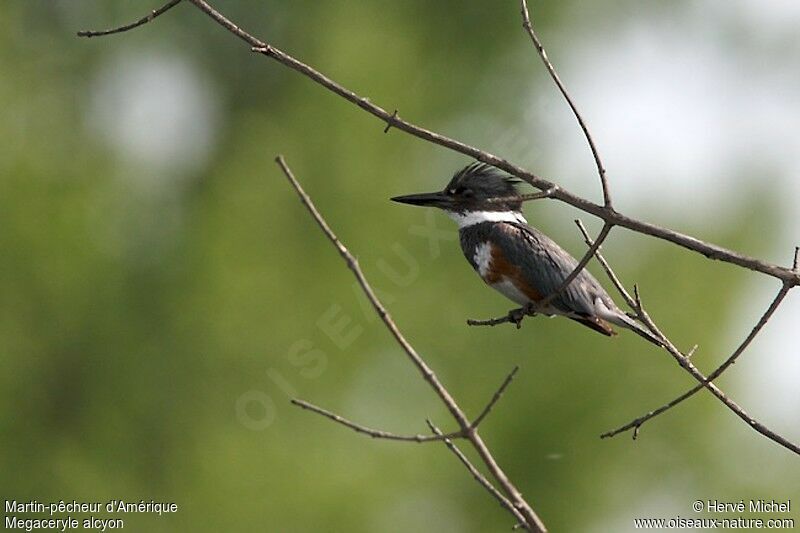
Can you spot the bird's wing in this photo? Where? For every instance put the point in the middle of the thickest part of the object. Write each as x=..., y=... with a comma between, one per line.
x=545, y=265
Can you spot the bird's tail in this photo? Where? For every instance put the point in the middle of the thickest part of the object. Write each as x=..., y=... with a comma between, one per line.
x=627, y=322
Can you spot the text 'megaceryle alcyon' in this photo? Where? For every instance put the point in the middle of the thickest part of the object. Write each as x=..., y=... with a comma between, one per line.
x=517, y=260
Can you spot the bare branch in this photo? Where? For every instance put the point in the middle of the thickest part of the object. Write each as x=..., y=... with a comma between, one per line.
x=496, y=397
x=144, y=20
x=380, y=434
x=532, y=520
x=525, y=197
x=729, y=403
x=606, y=213
x=610, y=273
x=480, y=478
x=686, y=364
x=579, y=267
x=526, y=23
x=539, y=195
x=374, y=433
x=352, y=264
x=637, y=423
x=514, y=316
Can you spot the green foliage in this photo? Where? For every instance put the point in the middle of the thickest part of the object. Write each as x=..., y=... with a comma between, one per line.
x=135, y=316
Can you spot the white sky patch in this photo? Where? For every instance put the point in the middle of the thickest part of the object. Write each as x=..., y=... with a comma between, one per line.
x=154, y=109
x=774, y=17
x=767, y=375
x=676, y=115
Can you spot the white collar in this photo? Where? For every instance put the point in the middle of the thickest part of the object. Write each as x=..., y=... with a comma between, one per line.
x=470, y=218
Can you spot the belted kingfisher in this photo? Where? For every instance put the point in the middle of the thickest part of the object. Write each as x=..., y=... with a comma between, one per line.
x=519, y=261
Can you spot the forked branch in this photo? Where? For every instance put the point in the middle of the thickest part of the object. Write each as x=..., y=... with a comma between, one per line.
x=636, y=423
x=531, y=520
x=380, y=434
x=601, y=170
x=684, y=361
x=476, y=474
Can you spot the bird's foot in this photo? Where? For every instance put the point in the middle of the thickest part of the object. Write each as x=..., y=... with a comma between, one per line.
x=516, y=316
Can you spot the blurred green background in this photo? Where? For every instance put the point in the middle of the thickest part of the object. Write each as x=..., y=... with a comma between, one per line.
x=164, y=293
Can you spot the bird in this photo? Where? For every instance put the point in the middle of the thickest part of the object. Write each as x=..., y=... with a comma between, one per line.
x=516, y=259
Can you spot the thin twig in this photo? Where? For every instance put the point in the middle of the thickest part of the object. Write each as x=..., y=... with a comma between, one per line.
x=374, y=433
x=495, y=398
x=480, y=478
x=526, y=23
x=684, y=361
x=609, y=272
x=532, y=520
x=524, y=197
x=579, y=267
x=381, y=434
x=728, y=402
x=352, y=264
x=144, y=20
x=513, y=316
x=637, y=423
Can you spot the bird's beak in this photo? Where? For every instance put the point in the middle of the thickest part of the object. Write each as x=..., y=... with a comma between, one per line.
x=427, y=199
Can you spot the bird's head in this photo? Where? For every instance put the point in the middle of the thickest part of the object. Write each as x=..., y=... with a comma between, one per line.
x=477, y=193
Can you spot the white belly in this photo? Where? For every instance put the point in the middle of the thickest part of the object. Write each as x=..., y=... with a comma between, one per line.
x=510, y=291
x=507, y=288
x=483, y=262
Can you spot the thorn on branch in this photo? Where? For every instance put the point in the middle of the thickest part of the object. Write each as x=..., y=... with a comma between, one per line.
x=390, y=121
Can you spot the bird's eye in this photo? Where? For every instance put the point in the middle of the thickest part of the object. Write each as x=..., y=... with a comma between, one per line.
x=468, y=193
x=451, y=192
